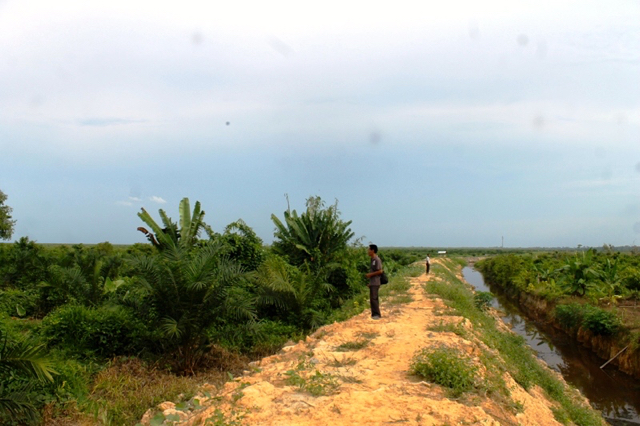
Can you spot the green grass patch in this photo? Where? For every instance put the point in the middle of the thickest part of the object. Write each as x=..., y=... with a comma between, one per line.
x=445, y=367
x=450, y=327
x=317, y=383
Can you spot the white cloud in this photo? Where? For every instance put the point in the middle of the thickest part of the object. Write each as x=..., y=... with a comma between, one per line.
x=124, y=203
x=135, y=199
x=157, y=199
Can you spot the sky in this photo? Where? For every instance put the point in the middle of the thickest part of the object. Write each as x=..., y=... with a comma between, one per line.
x=431, y=124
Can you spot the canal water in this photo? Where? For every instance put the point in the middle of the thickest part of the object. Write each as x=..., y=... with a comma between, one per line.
x=615, y=394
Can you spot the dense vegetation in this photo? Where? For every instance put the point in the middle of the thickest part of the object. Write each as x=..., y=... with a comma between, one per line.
x=80, y=325
x=597, y=290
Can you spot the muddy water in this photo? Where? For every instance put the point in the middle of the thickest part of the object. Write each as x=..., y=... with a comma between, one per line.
x=615, y=394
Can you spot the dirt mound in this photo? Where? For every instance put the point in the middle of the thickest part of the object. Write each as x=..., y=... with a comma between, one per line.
x=358, y=372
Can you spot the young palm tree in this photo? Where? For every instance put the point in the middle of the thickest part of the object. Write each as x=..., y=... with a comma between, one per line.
x=27, y=358
x=191, y=291
x=298, y=294
x=316, y=237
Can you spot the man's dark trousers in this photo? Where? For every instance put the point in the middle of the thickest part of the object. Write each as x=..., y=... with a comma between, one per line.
x=375, y=302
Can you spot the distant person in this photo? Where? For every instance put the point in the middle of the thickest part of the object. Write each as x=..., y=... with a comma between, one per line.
x=375, y=270
x=428, y=263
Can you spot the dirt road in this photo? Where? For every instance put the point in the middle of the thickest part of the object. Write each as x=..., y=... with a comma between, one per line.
x=358, y=372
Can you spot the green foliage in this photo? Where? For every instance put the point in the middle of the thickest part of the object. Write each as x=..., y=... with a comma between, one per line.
x=184, y=234
x=482, y=299
x=400, y=256
x=505, y=270
x=192, y=290
x=316, y=383
x=580, y=273
x=243, y=245
x=597, y=320
x=23, y=264
x=600, y=277
x=127, y=387
x=601, y=322
x=105, y=331
x=299, y=296
x=270, y=336
x=21, y=357
x=14, y=301
x=569, y=316
x=6, y=223
x=445, y=367
x=317, y=237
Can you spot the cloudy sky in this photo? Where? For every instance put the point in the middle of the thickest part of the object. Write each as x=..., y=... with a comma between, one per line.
x=433, y=123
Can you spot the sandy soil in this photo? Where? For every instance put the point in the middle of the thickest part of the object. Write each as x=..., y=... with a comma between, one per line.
x=369, y=385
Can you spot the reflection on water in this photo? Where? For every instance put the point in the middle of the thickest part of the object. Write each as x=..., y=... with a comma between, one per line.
x=614, y=393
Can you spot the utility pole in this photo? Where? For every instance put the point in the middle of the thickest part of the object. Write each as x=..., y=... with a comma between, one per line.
x=502, y=242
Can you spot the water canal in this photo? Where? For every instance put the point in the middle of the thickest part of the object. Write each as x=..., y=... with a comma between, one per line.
x=615, y=394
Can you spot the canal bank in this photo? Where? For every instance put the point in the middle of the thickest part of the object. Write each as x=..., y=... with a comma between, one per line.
x=614, y=393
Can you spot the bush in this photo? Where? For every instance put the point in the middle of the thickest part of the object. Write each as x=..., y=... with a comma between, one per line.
x=482, y=300
x=601, y=322
x=104, y=331
x=569, y=316
x=14, y=302
x=594, y=319
x=444, y=366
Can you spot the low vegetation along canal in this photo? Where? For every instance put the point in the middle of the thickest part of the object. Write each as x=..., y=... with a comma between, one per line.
x=615, y=394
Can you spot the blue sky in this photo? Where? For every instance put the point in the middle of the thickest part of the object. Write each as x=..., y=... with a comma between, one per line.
x=432, y=124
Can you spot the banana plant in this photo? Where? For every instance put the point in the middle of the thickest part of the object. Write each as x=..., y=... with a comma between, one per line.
x=191, y=224
x=579, y=273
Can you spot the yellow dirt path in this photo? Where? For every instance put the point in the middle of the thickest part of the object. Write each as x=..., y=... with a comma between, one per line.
x=369, y=385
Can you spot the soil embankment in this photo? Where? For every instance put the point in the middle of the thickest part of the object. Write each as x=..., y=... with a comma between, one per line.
x=358, y=372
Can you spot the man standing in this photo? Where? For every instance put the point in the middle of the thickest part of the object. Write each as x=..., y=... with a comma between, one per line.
x=375, y=270
x=428, y=263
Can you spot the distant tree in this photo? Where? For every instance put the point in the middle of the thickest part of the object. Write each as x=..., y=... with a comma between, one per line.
x=6, y=224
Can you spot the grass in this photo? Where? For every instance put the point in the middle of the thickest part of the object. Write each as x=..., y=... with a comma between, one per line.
x=519, y=360
x=353, y=346
x=125, y=390
x=346, y=361
x=445, y=367
x=450, y=327
x=316, y=384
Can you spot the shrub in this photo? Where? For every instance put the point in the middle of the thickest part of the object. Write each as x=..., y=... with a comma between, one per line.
x=569, y=316
x=444, y=366
x=14, y=302
x=482, y=300
x=594, y=319
x=104, y=331
x=601, y=322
